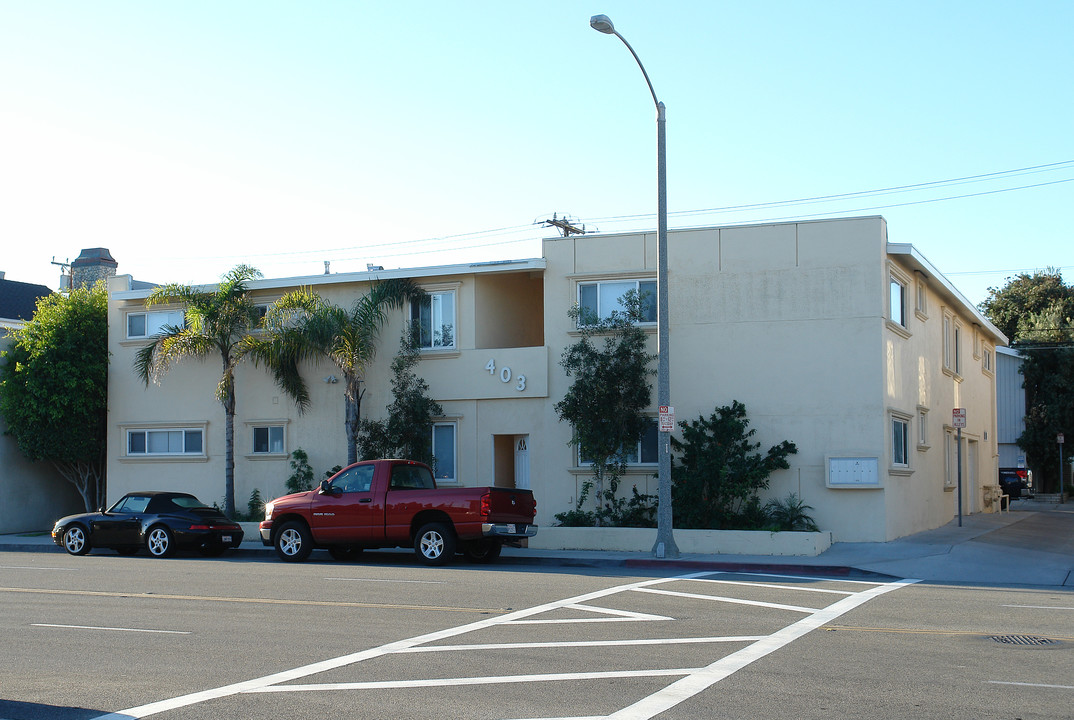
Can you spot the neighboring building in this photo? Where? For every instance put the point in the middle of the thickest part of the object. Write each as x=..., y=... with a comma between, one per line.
x=1010, y=408
x=855, y=349
x=32, y=495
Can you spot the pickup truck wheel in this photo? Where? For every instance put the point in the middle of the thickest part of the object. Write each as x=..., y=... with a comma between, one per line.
x=482, y=551
x=294, y=542
x=344, y=552
x=435, y=544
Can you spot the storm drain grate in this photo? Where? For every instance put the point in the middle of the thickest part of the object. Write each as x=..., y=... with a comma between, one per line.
x=1023, y=640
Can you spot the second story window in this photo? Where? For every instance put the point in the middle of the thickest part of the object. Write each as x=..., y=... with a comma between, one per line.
x=433, y=318
x=898, y=301
x=148, y=324
x=601, y=299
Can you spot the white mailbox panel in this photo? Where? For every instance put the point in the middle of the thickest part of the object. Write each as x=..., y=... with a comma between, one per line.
x=853, y=472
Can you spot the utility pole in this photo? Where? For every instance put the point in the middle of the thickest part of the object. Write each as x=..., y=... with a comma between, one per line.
x=566, y=225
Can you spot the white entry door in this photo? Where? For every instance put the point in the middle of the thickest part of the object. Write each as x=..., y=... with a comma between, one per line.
x=522, y=462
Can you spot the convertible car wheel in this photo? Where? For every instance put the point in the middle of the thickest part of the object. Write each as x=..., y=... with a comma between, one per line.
x=75, y=540
x=160, y=542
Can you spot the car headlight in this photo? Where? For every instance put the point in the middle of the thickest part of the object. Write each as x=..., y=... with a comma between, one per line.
x=268, y=511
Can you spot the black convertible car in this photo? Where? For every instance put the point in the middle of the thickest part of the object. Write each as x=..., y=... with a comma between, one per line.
x=161, y=522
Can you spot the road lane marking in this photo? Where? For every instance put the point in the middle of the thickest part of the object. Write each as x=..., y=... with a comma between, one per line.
x=490, y=680
x=119, y=629
x=774, y=586
x=620, y=616
x=376, y=580
x=736, y=601
x=689, y=686
x=691, y=680
x=585, y=643
x=256, y=601
x=257, y=684
x=1025, y=684
x=1038, y=607
x=32, y=567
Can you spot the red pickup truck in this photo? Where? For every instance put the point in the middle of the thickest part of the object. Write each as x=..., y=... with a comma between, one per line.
x=395, y=503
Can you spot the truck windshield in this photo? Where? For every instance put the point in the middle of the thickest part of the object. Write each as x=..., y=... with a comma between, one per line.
x=412, y=477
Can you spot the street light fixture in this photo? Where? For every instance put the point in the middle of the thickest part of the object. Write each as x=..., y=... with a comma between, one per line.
x=665, y=546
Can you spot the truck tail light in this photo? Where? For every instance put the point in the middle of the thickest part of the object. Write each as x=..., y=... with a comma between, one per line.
x=486, y=505
x=534, y=507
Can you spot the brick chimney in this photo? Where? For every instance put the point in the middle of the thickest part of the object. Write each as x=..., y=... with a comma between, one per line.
x=91, y=265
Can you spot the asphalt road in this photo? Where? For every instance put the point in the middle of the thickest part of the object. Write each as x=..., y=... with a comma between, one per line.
x=189, y=637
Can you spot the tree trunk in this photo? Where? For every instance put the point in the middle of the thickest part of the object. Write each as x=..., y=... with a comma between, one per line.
x=352, y=399
x=86, y=477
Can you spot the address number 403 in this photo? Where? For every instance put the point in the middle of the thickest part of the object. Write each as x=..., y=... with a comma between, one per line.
x=505, y=375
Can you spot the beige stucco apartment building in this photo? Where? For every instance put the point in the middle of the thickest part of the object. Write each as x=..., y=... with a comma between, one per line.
x=854, y=348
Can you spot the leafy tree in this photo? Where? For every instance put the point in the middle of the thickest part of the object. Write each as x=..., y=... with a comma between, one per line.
x=406, y=433
x=53, y=388
x=1035, y=312
x=303, y=326
x=301, y=478
x=1048, y=376
x=217, y=322
x=720, y=472
x=1019, y=306
x=607, y=398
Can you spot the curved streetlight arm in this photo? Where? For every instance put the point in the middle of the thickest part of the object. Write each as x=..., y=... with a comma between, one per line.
x=647, y=81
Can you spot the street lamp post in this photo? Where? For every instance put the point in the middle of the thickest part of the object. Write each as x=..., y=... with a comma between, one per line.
x=665, y=546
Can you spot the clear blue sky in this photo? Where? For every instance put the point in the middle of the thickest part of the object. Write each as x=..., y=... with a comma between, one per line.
x=190, y=136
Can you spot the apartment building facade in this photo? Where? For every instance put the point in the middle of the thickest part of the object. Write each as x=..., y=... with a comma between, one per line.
x=854, y=348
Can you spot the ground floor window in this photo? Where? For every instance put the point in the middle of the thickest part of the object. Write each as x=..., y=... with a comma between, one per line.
x=900, y=441
x=644, y=452
x=268, y=439
x=165, y=442
x=444, y=452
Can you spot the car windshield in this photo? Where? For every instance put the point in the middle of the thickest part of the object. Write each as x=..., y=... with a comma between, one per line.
x=130, y=504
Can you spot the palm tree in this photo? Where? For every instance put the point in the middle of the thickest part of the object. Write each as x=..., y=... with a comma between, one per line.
x=217, y=321
x=303, y=326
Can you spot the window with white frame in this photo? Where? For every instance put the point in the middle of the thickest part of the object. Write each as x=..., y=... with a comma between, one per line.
x=897, y=308
x=644, y=452
x=900, y=440
x=150, y=323
x=922, y=298
x=444, y=451
x=952, y=344
x=922, y=428
x=165, y=441
x=268, y=439
x=600, y=299
x=957, y=350
x=433, y=319
x=986, y=359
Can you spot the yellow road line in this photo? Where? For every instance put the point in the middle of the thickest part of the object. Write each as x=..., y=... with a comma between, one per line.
x=262, y=601
x=910, y=631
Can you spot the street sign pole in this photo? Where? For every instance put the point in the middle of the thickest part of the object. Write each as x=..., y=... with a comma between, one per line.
x=959, y=477
x=958, y=419
x=1059, y=439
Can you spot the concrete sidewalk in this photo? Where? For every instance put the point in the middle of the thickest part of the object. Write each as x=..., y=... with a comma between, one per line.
x=1031, y=545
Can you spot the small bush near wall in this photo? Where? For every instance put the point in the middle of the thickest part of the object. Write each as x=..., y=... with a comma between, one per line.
x=716, y=478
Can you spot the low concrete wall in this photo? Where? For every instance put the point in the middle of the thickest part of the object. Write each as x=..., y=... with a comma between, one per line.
x=710, y=542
